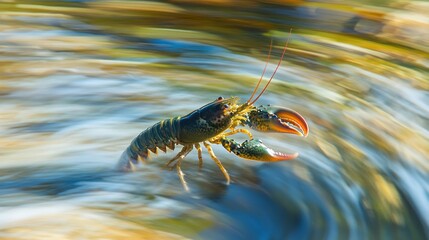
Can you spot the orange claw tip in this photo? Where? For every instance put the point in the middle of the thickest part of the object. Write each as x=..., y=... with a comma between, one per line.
x=290, y=122
x=278, y=156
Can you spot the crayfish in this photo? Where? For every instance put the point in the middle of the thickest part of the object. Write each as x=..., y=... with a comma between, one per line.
x=214, y=123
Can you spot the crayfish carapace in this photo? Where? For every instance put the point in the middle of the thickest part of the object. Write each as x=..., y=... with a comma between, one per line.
x=213, y=123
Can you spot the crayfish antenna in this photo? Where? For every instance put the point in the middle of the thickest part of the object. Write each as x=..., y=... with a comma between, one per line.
x=275, y=70
x=263, y=72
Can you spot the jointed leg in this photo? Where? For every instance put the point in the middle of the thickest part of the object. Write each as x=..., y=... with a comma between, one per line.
x=179, y=157
x=240, y=130
x=185, y=150
x=217, y=140
x=218, y=163
x=200, y=156
x=181, y=174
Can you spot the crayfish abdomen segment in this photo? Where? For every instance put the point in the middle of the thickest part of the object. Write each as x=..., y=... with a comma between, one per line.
x=162, y=135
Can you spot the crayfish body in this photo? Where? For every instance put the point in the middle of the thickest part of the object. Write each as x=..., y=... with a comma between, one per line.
x=214, y=123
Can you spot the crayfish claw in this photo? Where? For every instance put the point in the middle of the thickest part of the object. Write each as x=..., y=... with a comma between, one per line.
x=255, y=150
x=278, y=119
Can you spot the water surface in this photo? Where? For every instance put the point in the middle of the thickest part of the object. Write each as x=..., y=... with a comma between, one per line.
x=80, y=79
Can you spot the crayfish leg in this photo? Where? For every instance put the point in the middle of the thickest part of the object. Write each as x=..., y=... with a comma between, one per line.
x=181, y=174
x=218, y=139
x=185, y=150
x=239, y=130
x=217, y=161
x=200, y=155
x=179, y=157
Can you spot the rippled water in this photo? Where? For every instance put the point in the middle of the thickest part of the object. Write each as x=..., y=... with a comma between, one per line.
x=80, y=79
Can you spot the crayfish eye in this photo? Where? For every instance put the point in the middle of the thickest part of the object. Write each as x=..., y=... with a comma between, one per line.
x=220, y=98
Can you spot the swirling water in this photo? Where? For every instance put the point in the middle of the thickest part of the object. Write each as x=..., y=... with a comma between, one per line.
x=80, y=79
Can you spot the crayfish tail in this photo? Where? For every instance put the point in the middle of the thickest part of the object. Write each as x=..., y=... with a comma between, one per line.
x=130, y=158
x=126, y=163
